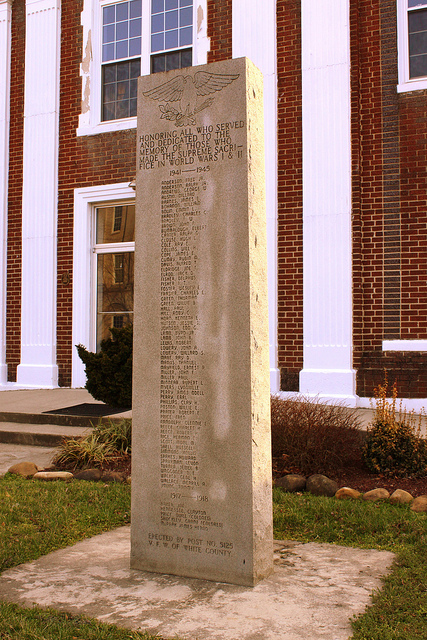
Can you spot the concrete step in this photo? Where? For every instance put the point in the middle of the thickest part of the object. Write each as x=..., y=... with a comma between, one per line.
x=41, y=435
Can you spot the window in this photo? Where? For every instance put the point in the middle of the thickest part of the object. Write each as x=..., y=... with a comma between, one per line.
x=122, y=40
x=114, y=268
x=171, y=28
x=412, y=43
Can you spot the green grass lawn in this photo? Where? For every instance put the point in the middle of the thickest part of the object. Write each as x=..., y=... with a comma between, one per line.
x=36, y=518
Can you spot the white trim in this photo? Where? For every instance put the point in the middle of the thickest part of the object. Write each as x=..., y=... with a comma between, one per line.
x=356, y=402
x=327, y=244
x=404, y=345
x=38, y=366
x=85, y=199
x=254, y=36
x=5, y=45
x=405, y=82
x=90, y=69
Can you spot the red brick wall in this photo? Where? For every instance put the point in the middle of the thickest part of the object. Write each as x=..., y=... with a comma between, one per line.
x=14, y=248
x=389, y=136
x=220, y=30
x=290, y=277
x=83, y=161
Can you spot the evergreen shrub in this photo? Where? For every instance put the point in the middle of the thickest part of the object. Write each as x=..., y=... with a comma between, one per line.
x=394, y=445
x=109, y=372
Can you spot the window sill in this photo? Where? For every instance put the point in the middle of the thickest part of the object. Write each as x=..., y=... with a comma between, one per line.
x=404, y=345
x=412, y=85
x=107, y=127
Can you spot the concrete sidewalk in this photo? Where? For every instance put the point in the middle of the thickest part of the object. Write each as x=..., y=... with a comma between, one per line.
x=31, y=435
x=313, y=592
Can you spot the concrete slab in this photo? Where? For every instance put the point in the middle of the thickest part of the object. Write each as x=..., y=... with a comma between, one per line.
x=11, y=454
x=311, y=595
x=40, y=400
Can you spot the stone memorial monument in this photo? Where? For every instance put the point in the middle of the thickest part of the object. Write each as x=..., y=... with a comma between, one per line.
x=201, y=457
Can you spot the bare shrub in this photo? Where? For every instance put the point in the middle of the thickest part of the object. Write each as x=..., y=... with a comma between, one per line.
x=314, y=437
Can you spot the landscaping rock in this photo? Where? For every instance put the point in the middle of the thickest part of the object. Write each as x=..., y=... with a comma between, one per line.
x=88, y=474
x=129, y=480
x=291, y=483
x=320, y=485
x=112, y=476
x=346, y=493
x=53, y=475
x=401, y=497
x=24, y=469
x=419, y=504
x=376, y=494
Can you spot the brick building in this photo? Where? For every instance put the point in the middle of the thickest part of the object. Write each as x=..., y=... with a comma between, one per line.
x=346, y=155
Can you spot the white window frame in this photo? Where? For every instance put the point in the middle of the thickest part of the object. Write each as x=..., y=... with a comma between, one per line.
x=90, y=122
x=405, y=82
x=86, y=200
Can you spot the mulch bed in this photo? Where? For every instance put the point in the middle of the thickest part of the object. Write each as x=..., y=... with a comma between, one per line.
x=359, y=478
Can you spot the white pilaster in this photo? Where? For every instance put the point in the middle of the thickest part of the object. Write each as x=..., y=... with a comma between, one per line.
x=40, y=195
x=254, y=36
x=327, y=200
x=5, y=43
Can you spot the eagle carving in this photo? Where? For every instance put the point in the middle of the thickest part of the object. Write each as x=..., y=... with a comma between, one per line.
x=186, y=92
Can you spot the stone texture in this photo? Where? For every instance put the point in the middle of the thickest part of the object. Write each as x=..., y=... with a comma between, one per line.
x=88, y=474
x=25, y=469
x=346, y=493
x=401, y=497
x=291, y=483
x=320, y=485
x=419, y=504
x=53, y=475
x=376, y=494
x=201, y=463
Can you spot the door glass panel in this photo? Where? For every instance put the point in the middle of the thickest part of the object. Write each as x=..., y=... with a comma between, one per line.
x=115, y=224
x=114, y=293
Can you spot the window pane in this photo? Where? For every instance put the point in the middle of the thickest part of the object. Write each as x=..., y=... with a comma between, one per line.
x=132, y=107
x=418, y=66
x=135, y=47
x=171, y=39
x=135, y=68
x=108, y=52
x=122, y=11
x=157, y=42
x=415, y=3
x=109, y=73
x=158, y=63
x=109, y=14
x=185, y=36
x=122, y=71
x=185, y=17
x=122, y=49
x=157, y=23
x=106, y=223
x=115, y=279
x=135, y=9
x=185, y=3
x=186, y=58
x=171, y=20
x=133, y=88
x=122, y=90
x=109, y=111
x=418, y=43
x=157, y=6
x=171, y=4
x=417, y=21
x=135, y=28
x=172, y=61
x=108, y=33
x=122, y=31
x=109, y=92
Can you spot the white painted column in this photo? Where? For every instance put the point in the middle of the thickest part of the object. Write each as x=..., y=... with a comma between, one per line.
x=327, y=200
x=40, y=195
x=5, y=44
x=254, y=36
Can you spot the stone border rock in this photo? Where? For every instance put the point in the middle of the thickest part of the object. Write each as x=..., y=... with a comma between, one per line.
x=31, y=470
x=320, y=485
